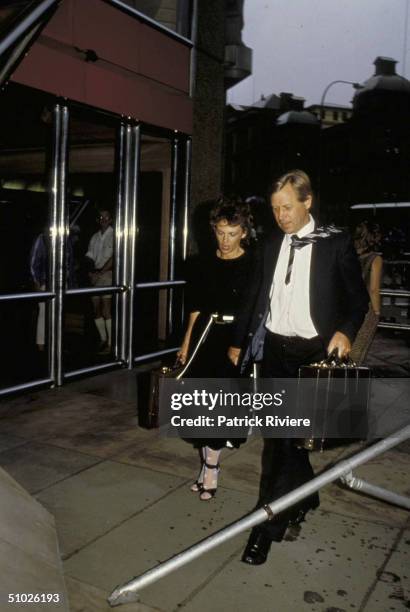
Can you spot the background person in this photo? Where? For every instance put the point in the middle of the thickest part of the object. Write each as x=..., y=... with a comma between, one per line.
x=366, y=241
x=39, y=264
x=100, y=253
x=218, y=284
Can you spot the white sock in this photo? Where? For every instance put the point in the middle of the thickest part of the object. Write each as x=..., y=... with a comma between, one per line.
x=108, y=328
x=210, y=480
x=100, y=325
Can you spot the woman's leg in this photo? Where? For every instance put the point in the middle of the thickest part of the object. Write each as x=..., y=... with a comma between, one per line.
x=197, y=485
x=210, y=481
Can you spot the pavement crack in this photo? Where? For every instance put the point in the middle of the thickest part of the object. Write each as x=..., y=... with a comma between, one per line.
x=208, y=579
x=67, y=556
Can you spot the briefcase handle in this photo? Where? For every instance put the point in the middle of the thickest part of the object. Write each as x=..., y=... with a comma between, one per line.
x=334, y=361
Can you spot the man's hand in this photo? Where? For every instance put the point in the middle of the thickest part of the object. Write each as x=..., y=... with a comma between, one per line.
x=234, y=354
x=340, y=342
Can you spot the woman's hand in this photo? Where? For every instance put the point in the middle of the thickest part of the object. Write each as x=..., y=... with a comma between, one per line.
x=182, y=354
x=234, y=354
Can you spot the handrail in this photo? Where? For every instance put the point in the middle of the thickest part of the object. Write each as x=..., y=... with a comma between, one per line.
x=41, y=382
x=387, y=325
x=29, y=295
x=159, y=284
x=96, y=290
x=128, y=591
x=358, y=484
x=394, y=293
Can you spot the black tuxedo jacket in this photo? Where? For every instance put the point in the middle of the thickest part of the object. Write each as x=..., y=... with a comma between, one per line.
x=338, y=296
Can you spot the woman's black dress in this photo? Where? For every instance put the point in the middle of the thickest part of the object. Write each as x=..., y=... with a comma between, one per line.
x=216, y=286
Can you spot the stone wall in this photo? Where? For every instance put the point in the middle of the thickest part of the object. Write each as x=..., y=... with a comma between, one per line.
x=209, y=102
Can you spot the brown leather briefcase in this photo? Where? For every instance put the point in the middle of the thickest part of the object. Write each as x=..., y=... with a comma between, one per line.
x=148, y=384
x=330, y=374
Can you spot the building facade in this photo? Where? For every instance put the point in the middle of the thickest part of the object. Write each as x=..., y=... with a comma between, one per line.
x=101, y=103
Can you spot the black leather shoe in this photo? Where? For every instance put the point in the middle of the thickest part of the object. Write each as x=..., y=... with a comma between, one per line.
x=300, y=515
x=298, y=518
x=257, y=548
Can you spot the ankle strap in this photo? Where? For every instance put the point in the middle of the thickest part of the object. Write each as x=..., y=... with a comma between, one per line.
x=211, y=467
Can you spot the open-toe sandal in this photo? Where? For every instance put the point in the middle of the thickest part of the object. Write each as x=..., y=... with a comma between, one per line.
x=205, y=493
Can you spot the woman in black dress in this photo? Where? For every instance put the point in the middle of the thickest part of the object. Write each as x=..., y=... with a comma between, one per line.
x=219, y=283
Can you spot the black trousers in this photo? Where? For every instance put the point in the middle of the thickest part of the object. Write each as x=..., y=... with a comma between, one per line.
x=284, y=466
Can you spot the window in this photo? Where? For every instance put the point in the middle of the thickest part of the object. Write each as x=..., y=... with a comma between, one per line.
x=173, y=14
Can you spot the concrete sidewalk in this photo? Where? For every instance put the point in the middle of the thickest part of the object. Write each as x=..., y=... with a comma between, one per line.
x=120, y=497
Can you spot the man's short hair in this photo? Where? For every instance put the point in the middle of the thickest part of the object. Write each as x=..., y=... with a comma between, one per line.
x=300, y=182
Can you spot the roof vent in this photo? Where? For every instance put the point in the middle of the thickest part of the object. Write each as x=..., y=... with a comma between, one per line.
x=385, y=66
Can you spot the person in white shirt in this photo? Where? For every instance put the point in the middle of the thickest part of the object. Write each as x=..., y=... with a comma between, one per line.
x=100, y=252
x=308, y=300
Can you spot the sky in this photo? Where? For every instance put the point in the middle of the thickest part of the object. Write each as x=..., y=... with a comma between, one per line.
x=300, y=46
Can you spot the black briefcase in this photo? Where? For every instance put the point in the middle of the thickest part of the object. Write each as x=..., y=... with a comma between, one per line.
x=334, y=382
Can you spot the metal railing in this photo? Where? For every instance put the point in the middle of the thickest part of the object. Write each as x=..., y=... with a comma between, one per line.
x=23, y=31
x=128, y=592
x=133, y=12
x=29, y=295
x=26, y=22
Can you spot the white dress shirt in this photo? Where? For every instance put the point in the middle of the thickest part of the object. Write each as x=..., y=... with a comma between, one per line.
x=101, y=247
x=289, y=313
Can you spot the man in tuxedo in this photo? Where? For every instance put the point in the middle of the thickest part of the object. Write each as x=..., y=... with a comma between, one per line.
x=308, y=300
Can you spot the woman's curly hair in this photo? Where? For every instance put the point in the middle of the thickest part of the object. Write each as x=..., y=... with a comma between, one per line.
x=366, y=236
x=234, y=212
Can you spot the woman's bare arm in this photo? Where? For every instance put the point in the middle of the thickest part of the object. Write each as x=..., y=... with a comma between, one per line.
x=183, y=352
x=375, y=282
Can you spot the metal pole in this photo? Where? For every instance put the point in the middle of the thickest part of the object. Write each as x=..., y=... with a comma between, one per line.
x=119, y=238
x=321, y=119
x=172, y=228
x=55, y=243
x=127, y=8
x=194, y=52
x=96, y=290
x=160, y=284
x=132, y=232
x=187, y=196
x=322, y=101
x=155, y=354
x=25, y=24
x=18, y=51
x=125, y=191
x=357, y=484
x=91, y=369
x=31, y=295
x=25, y=386
x=128, y=592
x=62, y=232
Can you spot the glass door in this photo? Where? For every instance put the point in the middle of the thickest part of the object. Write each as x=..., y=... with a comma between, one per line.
x=93, y=243
x=26, y=291
x=160, y=246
